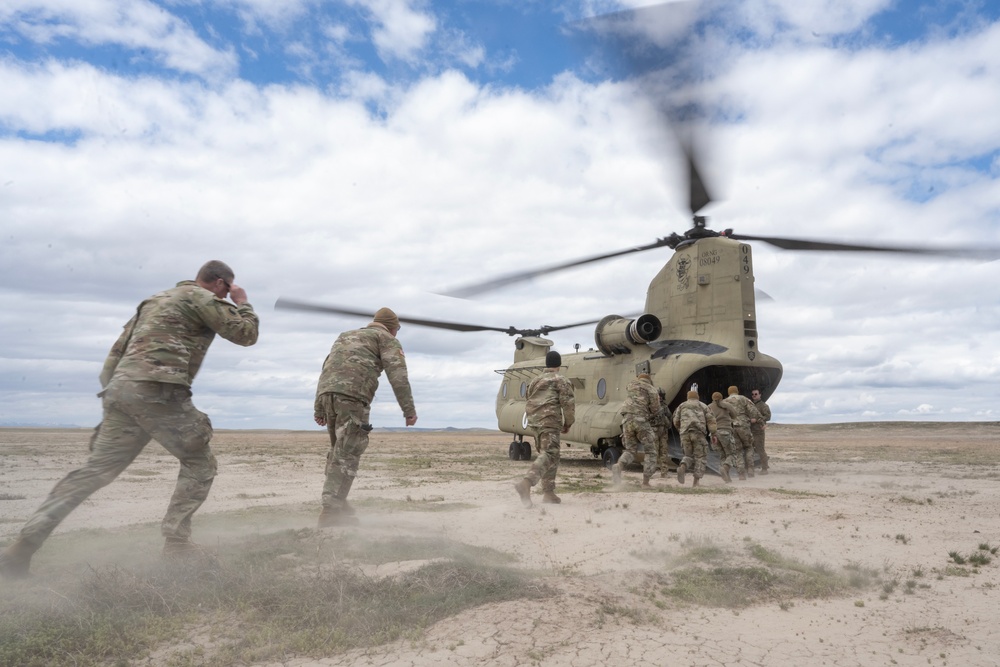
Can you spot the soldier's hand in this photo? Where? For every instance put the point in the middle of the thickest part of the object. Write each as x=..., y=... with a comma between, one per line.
x=320, y=420
x=565, y=429
x=237, y=294
x=410, y=421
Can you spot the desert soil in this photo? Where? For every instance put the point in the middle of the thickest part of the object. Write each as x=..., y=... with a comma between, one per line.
x=892, y=498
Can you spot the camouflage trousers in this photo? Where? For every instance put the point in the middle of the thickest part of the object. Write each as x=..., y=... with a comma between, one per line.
x=636, y=432
x=728, y=455
x=345, y=418
x=662, y=448
x=758, y=445
x=134, y=414
x=546, y=464
x=695, y=452
x=744, y=443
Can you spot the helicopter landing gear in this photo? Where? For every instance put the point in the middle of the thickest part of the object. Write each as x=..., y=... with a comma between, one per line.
x=525, y=451
x=519, y=450
x=611, y=456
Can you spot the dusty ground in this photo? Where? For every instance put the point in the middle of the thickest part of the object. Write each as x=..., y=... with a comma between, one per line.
x=892, y=498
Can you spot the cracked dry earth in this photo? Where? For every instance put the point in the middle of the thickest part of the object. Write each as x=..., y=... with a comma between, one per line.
x=894, y=499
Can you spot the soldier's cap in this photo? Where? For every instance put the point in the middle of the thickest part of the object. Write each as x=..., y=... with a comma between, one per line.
x=733, y=390
x=553, y=359
x=716, y=396
x=644, y=376
x=692, y=394
x=387, y=318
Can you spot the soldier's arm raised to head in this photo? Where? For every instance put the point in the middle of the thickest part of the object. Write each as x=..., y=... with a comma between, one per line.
x=237, y=324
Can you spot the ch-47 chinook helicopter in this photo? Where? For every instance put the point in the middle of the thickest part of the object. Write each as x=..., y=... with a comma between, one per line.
x=698, y=327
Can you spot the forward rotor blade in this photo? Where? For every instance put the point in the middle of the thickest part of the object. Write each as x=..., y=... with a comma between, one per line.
x=804, y=244
x=290, y=304
x=475, y=289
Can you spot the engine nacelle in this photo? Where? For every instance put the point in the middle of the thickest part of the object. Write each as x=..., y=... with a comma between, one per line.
x=618, y=335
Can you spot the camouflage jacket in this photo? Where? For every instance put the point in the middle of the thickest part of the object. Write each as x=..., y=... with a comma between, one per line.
x=765, y=415
x=641, y=400
x=355, y=363
x=693, y=415
x=166, y=340
x=663, y=417
x=745, y=408
x=724, y=413
x=550, y=403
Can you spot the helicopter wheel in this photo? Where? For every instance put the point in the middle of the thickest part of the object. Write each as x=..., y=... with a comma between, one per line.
x=525, y=451
x=514, y=451
x=611, y=456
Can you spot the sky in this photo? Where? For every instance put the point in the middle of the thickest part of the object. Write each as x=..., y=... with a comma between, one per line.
x=372, y=153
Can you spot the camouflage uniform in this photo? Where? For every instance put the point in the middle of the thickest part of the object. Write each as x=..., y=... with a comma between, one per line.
x=744, y=439
x=757, y=431
x=694, y=421
x=550, y=409
x=641, y=408
x=147, y=395
x=662, y=424
x=725, y=417
x=344, y=394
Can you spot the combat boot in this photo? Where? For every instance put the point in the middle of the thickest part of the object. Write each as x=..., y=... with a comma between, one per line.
x=345, y=488
x=645, y=481
x=328, y=518
x=15, y=561
x=743, y=475
x=551, y=498
x=695, y=482
x=523, y=489
x=725, y=474
x=763, y=471
x=681, y=471
x=616, y=474
x=182, y=547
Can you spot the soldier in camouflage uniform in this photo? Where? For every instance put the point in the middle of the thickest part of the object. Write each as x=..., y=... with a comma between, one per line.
x=757, y=429
x=748, y=415
x=146, y=395
x=551, y=410
x=725, y=418
x=641, y=407
x=663, y=423
x=344, y=394
x=695, y=422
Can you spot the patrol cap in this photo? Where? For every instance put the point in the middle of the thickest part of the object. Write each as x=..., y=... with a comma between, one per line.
x=716, y=396
x=387, y=318
x=692, y=394
x=733, y=390
x=553, y=359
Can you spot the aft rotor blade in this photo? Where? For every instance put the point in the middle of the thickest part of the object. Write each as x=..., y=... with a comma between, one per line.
x=474, y=289
x=804, y=244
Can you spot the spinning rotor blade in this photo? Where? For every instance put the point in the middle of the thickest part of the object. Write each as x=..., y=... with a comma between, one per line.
x=475, y=289
x=289, y=304
x=804, y=244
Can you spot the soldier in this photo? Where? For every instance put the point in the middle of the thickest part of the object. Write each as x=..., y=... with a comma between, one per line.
x=725, y=418
x=551, y=411
x=663, y=424
x=146, y=395
x=642, y=405
x=748, y=415
x=757, y=429
x=695, y=422
x=344, y=394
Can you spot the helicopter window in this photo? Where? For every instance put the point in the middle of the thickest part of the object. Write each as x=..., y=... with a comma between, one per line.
x=524, y=389
x=602, y=388
x=503, y=390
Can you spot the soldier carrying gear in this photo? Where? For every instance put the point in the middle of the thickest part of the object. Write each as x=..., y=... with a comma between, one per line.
x=757, y=429
x=694, y=421
x=551, y=410
x=725, y=416
x=641, y=408
x=747, y=415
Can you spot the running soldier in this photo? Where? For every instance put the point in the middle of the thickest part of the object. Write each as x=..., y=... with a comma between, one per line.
x=725, y=418
x=146, y=395
x=748, y=415
x=344, y=394
x=663, y=423
x=757, y=429
x=551, y=410
x=695, y=422
x=642, y=405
